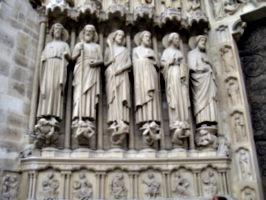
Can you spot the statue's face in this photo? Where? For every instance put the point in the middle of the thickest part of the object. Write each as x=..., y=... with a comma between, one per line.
x=146, y=39
x=88, y=34
x=202, y=43
x=175, y=41
x=119, y=37
x=57, y=32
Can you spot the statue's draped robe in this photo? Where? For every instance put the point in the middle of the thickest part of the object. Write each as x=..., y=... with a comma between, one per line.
x=53, y=72
x=146, y=86
x=176, y=91
x=118, y=86
x=89, y=86
x=203, y=86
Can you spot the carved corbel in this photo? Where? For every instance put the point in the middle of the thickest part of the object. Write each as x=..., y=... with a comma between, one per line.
x=142, y=11
x=170, y=14
x=238, y=29
x=197, y=17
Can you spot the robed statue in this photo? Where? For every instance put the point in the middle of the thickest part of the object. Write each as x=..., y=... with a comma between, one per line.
x=118, y=63
x=146, y=84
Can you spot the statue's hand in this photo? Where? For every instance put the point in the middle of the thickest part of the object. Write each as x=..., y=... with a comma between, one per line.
x=43, y=58
x=92, y=63
x=65, y=54
x=81, y=46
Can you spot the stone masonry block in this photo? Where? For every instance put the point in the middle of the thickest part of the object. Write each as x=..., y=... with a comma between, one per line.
x=16, y=89
x=26, y=109
x=2, y=115
x=23, y=42
x=7, y=34
x=8, y=102
x=19, y=74
x=3, y=83
x=14, y=119
x=11, y=133
x=20, y=59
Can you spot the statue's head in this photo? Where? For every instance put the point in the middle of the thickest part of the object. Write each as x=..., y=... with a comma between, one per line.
x=50, y=175
x=201, y=42
x=89, y=33
x=145, y=38
x=82, y=175
x=57, y=31
x=151, y=175
x=173, y=39
x=119, y=37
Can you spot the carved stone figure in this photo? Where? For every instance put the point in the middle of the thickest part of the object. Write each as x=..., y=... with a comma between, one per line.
x=53, y=71
x=117, y=187
x=205, y=138
x=118, y=63
x=224, y=7
x=46, y=133
x=248, y=195
x=171, y=3
x=204, y=89
x=244, y=164
x=180, y=185
x=10, y=187
x=211, y=182
x=50, y=186
x=192, y=6
x=176, y=77
x=85, y=130
x=228, y=58
x=86, y=82
x=181, y=133
x=125, y=3
x=83, y=188
x=233, y=92
x=239, y=127
x=153, y=186
x=223, y=147
x=151, y=133
x=146, y=81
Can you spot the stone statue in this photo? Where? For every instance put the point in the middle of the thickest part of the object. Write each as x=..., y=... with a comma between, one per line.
x=227, y=56
x=153, y=186
x=211, y=181
x=244, y=164
x=193, y=5
x=224, y=7
x=180, y=185
x=10, y=187
x=53, y=74
x=204, y=89
x=248, y=194
x=181, y=133
x=86, y=82
x=118, y=63
x=46, y=133
x=117, y=187
x=146, y=81
x=171, y=3
x=239, y=127
x=125, y=3
x=176, y=77
x=223, y=147
x=151, y=133
x=50, y=186
x=206, y=139
x=233, y=92
x=83, y=188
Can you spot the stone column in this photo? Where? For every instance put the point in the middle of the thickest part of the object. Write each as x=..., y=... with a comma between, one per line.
x=131, y=186
x=100, y=104
x=67, y=187
x=69, y=93
x=136, y=185
x=98, y=185
x=131, y=144
x=35, y=175
x=62, y=186
x=155, y=48
x=195, y=180
x=220, y=180
x=30, y=186
x=102, y=186
x=35, y=87
x=225, y=182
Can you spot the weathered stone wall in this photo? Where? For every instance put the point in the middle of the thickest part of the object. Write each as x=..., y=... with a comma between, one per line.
x=18, y=43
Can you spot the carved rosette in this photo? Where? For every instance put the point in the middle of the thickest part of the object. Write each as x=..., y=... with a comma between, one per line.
x=143, y=10
x=170, y=14
x=116, y=8
x=197, y=17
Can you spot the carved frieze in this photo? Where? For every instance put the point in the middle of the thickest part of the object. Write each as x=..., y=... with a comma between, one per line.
x=10, y=187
